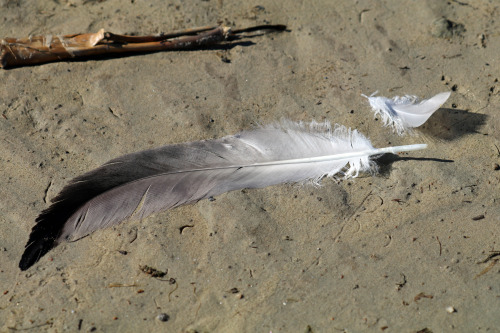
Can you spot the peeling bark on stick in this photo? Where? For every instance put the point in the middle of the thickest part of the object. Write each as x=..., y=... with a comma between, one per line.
x=15, y=52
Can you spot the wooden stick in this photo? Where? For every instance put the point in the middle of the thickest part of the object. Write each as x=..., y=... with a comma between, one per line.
x=43, y=49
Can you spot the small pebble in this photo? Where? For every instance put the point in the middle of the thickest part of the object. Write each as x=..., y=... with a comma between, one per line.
x=450, y=309
x=163, y=317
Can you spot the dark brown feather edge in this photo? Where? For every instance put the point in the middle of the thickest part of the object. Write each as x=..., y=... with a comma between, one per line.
x=50, y=222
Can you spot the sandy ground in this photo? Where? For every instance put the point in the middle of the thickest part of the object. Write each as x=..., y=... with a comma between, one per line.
x=388, y=252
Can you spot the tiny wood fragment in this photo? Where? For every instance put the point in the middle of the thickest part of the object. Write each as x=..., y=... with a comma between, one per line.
x=152, y=271
x=16, y=52
x=422, y=295
x=487, y=269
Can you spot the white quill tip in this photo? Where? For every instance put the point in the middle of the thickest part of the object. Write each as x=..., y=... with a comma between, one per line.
x=406, y=112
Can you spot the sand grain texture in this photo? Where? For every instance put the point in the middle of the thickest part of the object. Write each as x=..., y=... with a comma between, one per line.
x=385, y=253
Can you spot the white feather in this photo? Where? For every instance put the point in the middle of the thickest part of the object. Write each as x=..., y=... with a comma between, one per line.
x=406, y=112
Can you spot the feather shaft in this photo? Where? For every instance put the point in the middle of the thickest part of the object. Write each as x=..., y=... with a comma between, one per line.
x=336, y=157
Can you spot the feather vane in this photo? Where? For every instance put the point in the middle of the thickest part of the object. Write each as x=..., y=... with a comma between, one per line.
x=405, y=112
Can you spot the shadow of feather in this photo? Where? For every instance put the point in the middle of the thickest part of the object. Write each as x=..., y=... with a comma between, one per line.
x=385, y=162
x=451, y=124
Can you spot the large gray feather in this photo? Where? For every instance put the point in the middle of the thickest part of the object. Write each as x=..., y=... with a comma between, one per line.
x=170, y=176
x=142, y=183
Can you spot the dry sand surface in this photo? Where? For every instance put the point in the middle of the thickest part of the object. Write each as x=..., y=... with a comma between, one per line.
x=409, y=249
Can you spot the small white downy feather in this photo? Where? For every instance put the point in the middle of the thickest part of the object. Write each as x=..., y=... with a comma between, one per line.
x=406, y=112
x=139, y=184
